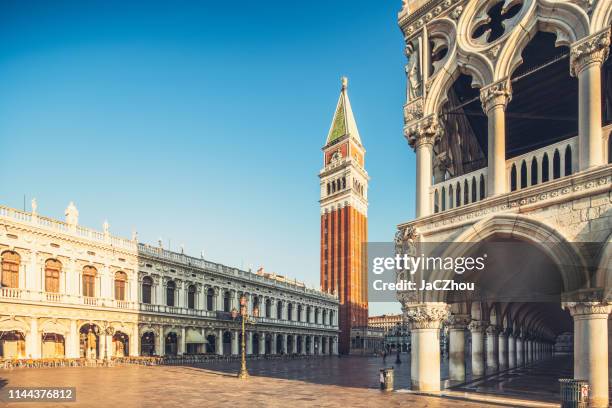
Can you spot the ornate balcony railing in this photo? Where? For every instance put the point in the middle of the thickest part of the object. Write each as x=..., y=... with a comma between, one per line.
x=548, y=163
x=458, y=191
x=545, y=164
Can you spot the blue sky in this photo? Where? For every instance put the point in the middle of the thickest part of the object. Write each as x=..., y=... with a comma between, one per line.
x=201, y=123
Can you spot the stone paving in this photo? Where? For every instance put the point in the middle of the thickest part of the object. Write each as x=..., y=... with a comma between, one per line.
x=322, y=382
x=303, y=383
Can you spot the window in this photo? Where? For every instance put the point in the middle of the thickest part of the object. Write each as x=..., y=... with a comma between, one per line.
x=226, y=302
x=147, y=284
x=279, y=310
x=120, y=279
x=170, y=287
x=191, y=292
x=89, y=281
x=10, y=269
x=210, y=295
x=52, y=272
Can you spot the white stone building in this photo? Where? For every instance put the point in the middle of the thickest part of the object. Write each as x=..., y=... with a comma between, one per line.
x=69, y=291
x=509, y=113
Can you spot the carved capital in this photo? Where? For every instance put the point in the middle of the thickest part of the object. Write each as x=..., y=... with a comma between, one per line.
x=423, y=132
x=497, y=94
x=492, y=330
x=426, y=315
x=477, y=326
x=586, y=309
x=459, y=321
x=593, y=50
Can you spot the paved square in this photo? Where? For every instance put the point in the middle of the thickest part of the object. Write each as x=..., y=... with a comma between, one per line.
x=329, y=382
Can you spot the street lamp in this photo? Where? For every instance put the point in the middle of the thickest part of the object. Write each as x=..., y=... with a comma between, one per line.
x=245, y=318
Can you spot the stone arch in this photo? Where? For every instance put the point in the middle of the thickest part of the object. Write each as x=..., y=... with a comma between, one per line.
x=53, y=326
x=603, y=275
x=567, y=21
x=571, y=264
x=12, y=323
x=601, y=17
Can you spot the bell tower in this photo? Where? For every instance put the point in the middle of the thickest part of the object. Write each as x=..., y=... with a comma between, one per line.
x=344, y=220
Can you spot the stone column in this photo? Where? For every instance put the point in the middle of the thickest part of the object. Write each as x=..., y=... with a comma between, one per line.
x=218, y=300
x=586, y=58
x=492, y=344
x=262, y=344
x=425, y=320
x=273, y=344
x=591, y=347
x=495, y=98
x=72, y=341
x=520, y=352
x=303, y=344
x=33, y=347
x=285, y=344
x=219, y=342
x=503, y=350
x=335, y=346
x=511, y=350
x=181, y=342
x=235, y=351
x=456, y=353
x=249, y=343
x=477, y=328
x=134, y=341
x=422, y=138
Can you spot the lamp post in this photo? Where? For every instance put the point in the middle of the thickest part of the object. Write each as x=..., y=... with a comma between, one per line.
x=244, y=317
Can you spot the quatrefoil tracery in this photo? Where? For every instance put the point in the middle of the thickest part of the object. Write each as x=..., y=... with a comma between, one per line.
x=495, y=20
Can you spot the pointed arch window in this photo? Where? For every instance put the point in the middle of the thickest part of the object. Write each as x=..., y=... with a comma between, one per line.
x=191, y=297
x=170, y=288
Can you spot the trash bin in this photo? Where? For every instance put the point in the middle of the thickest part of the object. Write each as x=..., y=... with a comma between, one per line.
x=386, y=379
x=574, y=393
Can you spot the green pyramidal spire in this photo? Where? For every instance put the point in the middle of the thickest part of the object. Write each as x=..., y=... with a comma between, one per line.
x=344, y=121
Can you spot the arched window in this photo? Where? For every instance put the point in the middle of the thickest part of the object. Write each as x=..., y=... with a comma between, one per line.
x=170, y=288
x=147, y=285
x=226, y=301
x=523, y=174
x=191, y=295
x=436, y=202
x=534, y=171
x=513, y=177
x=120, y=279
x=568, y=160
x=89, y=281
x=10, y=269
x=443, y=198
x=268, y=308
x=451, y=197
x=474, y=198
x=482, y=187
x=545, y=164
x=343, y=183
x=290, y=311
x=328, y=189
x=210, y=296
x=53, y=268
x=466, y=192
x=279, y=310
x=556, y=165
